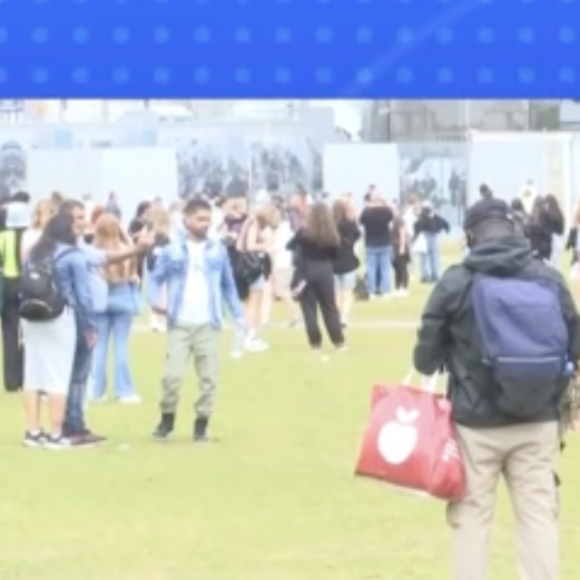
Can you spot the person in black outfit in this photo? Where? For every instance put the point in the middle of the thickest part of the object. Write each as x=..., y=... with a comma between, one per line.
x=317, y=242
x=401, y=256
x=430, y=224
x=519, y=216
x=376, y=219
x=546, y=221
x=347, y=262
x=494, y=442
x=17, y=222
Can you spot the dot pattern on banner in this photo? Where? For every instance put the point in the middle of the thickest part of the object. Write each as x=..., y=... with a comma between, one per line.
x=333, y=48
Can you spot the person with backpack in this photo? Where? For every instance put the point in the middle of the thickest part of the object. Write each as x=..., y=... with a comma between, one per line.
x=505, y=327
x=54, y=286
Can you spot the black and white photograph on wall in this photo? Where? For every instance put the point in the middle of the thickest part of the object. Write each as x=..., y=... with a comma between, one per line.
x=278, y=164
x=436, y=173
x=202, y=167
x=13, y=169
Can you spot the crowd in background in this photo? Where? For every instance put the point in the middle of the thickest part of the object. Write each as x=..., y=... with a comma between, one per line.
x=315, y=257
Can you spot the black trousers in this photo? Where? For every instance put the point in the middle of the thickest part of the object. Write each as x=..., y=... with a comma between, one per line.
x=319, y=293
x=12, y=349
x=401, y=267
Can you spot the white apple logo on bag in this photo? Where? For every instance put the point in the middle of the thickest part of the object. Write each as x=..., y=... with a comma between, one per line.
x=397, y=439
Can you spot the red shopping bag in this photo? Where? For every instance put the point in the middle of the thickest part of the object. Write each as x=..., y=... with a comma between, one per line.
x=378, y=393
x=410, y=442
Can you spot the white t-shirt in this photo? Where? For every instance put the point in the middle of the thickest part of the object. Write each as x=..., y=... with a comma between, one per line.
x=195, y=306
x=409, y=219
x=282, y=257
x=217, y=220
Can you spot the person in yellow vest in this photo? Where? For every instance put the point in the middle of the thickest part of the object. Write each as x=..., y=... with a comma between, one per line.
x=17, y=222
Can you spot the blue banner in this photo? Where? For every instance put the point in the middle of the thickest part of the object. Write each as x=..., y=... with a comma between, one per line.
x=289, y=48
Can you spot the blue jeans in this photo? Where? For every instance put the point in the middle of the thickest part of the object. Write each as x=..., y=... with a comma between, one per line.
x=430, y=260
x=74, y=423
x=115, y=326
x=379, y=265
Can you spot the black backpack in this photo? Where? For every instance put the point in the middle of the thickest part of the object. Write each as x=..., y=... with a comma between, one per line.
x=41, y=298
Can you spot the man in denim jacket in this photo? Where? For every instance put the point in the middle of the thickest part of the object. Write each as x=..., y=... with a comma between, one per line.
x=197, y=274
x=75, y=428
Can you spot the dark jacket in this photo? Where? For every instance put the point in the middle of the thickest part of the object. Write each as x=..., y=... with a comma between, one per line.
x=542, y=229
x=346, y=258
x=429, y=222
x=448, y=336
x=377, y=224
x=311, y=252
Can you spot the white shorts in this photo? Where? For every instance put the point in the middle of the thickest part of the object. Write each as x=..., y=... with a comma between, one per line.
x=345, y=282
x=282, y=279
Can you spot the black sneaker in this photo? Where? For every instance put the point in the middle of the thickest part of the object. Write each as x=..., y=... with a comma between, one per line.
x=34, y=440
x=200, y=430
x=57, y=442
x=165, y=427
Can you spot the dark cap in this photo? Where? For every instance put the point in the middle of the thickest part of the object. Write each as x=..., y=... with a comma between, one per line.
x=486, y=209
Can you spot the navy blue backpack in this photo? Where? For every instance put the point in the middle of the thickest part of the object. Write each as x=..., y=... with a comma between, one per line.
x=525, y=341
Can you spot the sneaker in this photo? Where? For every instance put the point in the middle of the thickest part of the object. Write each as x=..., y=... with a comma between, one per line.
x=34, y=440
x=165, y=427
x=57, y=442
x=200, y=429
x=256, y=345
x=133, y=399
x=85, y=439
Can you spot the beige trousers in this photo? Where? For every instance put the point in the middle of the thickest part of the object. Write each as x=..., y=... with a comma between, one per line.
x=526, y=456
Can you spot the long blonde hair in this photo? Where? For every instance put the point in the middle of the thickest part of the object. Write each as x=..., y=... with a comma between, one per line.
x=43, y=211
x=160, y=221
x=109, y=235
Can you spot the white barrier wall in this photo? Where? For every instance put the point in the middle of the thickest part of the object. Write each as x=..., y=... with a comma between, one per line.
x=352, y=167
x=135, y=174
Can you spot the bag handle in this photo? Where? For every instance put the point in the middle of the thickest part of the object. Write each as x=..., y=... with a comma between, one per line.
x=428, y=384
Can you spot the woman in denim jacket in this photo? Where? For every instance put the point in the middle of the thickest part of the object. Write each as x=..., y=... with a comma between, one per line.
x=115, y=321
x=50, y=346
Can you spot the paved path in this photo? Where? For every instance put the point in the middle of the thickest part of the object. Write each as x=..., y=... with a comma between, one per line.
x=380, y=324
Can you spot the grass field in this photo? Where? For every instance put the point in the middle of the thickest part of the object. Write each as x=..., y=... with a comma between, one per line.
x=275, y=499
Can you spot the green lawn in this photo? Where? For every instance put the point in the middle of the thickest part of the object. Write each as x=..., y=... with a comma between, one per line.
x=274, y=500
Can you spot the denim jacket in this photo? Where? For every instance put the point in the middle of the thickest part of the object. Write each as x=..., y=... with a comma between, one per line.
x=71, y=271
x=171, y=270
x=96, y=259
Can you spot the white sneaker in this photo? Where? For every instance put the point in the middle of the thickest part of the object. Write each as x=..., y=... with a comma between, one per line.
x=129, y=400
x=256, y=345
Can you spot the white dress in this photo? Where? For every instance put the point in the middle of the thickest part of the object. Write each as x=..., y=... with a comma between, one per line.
x=50, y=349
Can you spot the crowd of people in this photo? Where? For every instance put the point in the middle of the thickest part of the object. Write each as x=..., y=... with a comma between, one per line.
x=304, y=254
x=502, y=323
